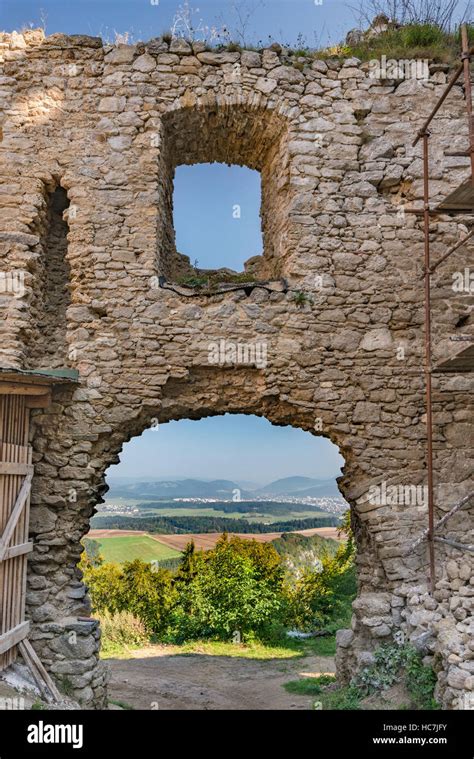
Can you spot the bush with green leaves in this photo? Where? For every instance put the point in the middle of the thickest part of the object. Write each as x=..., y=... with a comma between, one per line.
x=135, y=587
x=421, y=35
x=384, y=672
x=105, y=587
x=420, y=681
x=236, y=587
x=149, y=594
x=121, y=630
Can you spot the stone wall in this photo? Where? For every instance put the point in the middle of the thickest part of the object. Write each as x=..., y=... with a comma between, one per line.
x=108, y=125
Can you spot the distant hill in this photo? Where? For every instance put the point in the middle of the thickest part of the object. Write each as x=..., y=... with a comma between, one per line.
x=170, y=489
x=302, y=486
x=221, y=489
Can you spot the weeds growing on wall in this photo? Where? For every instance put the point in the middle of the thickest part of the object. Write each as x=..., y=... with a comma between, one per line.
x=393, y=665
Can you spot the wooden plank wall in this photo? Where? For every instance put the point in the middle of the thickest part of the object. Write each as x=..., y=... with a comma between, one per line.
x=14, y=429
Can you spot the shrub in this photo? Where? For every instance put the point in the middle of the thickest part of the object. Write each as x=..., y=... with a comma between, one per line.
x=235, y=587
x=121, y=630
x=421, y=35
x=137, y=587
x=420, y=680
x=384, y=672
x=321, y=599
x=105, y=587
x=148, y=593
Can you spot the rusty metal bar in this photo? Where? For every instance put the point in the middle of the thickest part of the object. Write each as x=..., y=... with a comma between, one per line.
x=428, y=387
x=456, y=544
x=423, y=133
x=451, y=83
x=466, y=61
x=457, y=506
x=453, y=249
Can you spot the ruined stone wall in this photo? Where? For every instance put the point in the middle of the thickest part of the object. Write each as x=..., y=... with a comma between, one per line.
x=109, y=124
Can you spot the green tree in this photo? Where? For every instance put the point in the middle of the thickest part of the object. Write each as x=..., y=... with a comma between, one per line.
x=321, y=598
x=188, y=565
x=105, y=587
x=235, y=588
x=148, y=593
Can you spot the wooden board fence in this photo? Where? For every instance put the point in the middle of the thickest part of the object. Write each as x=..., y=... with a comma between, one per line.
x=16, y=474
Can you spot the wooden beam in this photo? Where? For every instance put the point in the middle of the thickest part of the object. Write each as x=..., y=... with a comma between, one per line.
x=12, y=637
x=10, y=467
x=18, y=550
x=15, y=515
x=13, y=388
x=31, y=657
x=34, y=671
x=39, y=401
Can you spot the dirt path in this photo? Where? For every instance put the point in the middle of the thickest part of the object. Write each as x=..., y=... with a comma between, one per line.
x=153, y=678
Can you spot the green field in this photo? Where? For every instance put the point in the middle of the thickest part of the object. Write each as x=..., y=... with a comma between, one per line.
x=206, y=511
x=132, y=547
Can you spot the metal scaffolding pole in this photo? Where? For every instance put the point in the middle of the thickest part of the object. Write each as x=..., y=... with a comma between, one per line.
x=424, y=134
x=428, y=388
x=466, y=60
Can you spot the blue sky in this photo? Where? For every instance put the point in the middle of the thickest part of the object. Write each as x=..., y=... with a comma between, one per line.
x=234, y=447
x=283, y=20
x=216, y=214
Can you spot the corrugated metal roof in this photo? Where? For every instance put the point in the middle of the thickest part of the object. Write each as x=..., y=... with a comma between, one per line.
x=40, y=376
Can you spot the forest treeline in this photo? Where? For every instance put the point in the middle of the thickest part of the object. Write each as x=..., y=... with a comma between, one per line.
x=190, y=524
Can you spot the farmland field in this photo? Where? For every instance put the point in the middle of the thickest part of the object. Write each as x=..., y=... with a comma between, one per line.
x=205, y=541
x=129, y=547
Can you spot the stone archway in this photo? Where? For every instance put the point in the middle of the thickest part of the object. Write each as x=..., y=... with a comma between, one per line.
x=59, y=597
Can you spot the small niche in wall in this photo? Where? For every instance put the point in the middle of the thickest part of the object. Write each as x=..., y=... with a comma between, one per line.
x=52, y=293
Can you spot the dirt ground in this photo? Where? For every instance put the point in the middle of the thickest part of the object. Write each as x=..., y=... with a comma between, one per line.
x=152, y=678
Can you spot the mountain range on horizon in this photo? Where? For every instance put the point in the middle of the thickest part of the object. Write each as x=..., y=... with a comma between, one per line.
x=160, y=488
